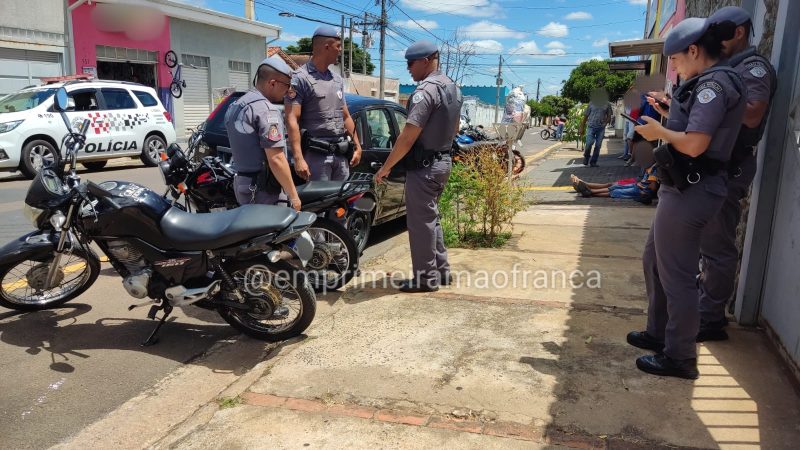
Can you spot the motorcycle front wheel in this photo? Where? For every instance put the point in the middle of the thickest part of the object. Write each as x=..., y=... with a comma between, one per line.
x=545, y=134
x=23, y=285
x=281, y=302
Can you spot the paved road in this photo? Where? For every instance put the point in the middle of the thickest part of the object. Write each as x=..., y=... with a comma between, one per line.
x=65, y=368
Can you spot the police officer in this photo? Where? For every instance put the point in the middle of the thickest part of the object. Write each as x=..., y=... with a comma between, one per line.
x=704, y=118
x=718, y=247
x=316, y=106
x=256, y=133
x=424, y=148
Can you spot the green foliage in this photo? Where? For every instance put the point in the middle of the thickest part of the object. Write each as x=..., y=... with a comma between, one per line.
x=559, y=105
x=229, y=402
x=304, y=47
x=593, y=74
x=539, y=109
x=572, y=129
x=479, y=201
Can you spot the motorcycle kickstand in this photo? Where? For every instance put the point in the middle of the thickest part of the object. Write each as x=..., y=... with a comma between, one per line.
x=152, y=339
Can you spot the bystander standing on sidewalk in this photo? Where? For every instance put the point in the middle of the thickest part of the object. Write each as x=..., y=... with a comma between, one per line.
x=597, y=116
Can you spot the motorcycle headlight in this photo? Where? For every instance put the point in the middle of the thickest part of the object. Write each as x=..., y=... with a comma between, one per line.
x=57, y=220
x=32, y=214
x=5, y=127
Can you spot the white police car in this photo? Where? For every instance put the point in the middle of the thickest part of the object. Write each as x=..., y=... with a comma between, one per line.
x=125, y=120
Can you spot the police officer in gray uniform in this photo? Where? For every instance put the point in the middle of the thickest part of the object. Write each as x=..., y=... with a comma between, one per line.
x=317, y=115
x=704, y=118
x=256, y=133
x=718, y=247
x=424, y=148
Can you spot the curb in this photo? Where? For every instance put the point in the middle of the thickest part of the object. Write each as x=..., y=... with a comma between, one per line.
x=537, y=157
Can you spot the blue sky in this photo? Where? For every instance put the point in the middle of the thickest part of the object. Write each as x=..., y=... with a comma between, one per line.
x=525, y=32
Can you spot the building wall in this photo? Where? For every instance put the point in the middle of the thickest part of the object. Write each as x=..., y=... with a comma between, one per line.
x=40, y=15
x=87, y=37
x=369, y=85
x=220, y=46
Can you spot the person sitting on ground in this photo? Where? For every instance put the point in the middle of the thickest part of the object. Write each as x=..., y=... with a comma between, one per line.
x=643, y=191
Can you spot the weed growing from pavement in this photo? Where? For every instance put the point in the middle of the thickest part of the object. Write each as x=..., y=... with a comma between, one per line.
x=229, y=402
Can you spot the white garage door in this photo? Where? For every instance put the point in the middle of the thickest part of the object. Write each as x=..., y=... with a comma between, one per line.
x=21, y=68
x=239, y=75
x=197, y=93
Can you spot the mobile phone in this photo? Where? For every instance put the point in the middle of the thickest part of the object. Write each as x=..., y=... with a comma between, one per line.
x=661, y=103
x=627, y=116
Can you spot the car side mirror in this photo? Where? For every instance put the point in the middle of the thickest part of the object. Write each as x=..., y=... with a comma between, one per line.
x=62, y=100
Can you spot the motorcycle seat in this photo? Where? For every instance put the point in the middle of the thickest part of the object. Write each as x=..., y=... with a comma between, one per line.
x=187, y=231
x=315, y=190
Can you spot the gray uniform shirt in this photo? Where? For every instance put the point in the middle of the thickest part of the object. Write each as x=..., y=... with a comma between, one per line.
x=711, y=103
x=435, y=107
x=321, y=98
x=253, y=124
x=758, y=75
x=598, y=115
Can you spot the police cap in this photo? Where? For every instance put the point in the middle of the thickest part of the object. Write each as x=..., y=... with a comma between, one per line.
x=278, y=64
x=686, y=33
x=420, y=49
x=326, y=31
x=735, y=14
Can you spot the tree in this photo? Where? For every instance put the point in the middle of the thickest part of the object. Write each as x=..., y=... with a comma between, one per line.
x=590, y=75
x=304, y=47
x=540, y=109
x=559, y=105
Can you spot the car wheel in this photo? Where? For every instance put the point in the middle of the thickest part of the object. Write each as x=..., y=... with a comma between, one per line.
x=151, y=150
x=36, y=155
x=94, y=165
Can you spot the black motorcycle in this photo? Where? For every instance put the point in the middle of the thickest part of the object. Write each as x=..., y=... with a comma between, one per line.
x=206, y=184
x=245, y=263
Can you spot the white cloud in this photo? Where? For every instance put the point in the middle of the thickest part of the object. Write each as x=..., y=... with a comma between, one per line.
x=578, y=15
x=470, y=8
x=289, y=37
x=638, y=2
x=486, y=30
x=593, y=58
x=418, y=25
x=483, y=46
x=531, y=49
x=554, y=30
x=555, y=44
x=600, y=43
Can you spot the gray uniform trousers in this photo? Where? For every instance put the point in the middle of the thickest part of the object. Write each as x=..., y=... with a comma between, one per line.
x=241, y=186
x=670, y=263
x=422, y=191
x=327, y=167
x=718, y=248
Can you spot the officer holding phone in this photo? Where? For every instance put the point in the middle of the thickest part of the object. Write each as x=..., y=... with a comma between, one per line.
x=705, y=112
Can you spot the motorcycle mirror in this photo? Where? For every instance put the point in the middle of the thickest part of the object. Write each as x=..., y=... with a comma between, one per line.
x=172, y=149
x=62, y=101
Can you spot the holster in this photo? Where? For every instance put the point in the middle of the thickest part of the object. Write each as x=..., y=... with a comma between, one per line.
x=343, y=146
x=419, y=158
x=744, y=148
x=263, y=180
x=681, y=171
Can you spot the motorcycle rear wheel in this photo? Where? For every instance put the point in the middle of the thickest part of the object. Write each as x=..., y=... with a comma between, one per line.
x=285, y=304
x=22, y=283
x=335, y=259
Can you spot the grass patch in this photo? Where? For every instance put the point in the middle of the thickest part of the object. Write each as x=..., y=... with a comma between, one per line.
x=229, y=402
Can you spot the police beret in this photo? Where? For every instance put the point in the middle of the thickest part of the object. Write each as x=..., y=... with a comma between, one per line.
x=733, y=14
x=326, y=31
x=420, y=49
x=686, y=33
x=278, y=64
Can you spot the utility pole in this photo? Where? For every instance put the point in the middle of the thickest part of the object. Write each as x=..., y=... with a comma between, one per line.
x=342, y=67
x=364, y=37
x=350, y=58
x=249, y=9
x=382, y=84
x=499, y=82
x=538, y=82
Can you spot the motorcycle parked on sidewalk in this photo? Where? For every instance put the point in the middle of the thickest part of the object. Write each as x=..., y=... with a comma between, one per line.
x=207, y=185
x=246, y=263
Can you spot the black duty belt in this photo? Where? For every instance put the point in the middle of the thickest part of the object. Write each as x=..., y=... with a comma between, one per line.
x=249, y=174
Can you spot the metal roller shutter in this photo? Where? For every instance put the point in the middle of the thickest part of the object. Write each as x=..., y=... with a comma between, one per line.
x=239, y=75
x=197, y=94
x=21, y=68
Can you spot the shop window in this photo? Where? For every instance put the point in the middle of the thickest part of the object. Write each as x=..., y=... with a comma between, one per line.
x=118, y=99
x=145, y=98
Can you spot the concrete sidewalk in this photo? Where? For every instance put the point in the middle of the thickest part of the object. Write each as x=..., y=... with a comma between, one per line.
x=526, y=351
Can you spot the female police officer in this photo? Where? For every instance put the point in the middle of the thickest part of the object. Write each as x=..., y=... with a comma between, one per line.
x=704, y=119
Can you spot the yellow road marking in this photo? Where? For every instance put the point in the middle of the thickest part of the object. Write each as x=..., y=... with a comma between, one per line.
x=21, y=283
x=548, y=188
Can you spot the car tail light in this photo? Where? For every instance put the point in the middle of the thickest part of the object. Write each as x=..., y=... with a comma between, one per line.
x=354, y=198
x=168, y=116
x=214, y=112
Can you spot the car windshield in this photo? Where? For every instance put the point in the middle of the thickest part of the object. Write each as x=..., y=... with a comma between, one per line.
x=25, y=100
